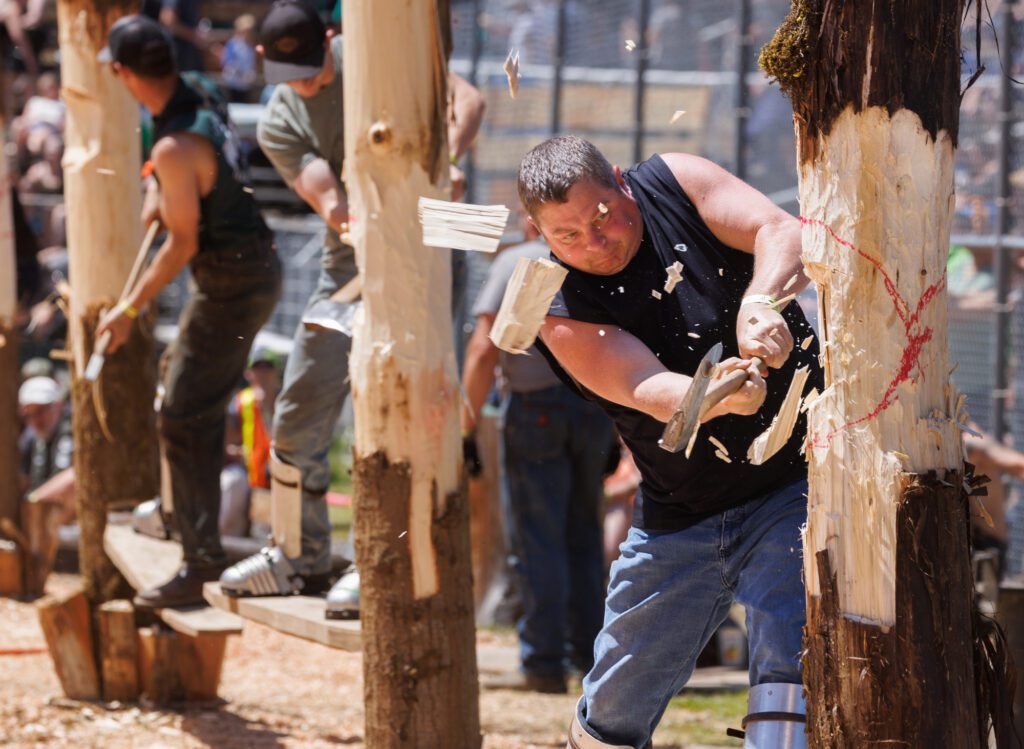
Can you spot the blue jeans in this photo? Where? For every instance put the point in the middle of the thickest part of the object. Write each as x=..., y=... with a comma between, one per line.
x=313, y=393
x=669, y=592
x=555, y=447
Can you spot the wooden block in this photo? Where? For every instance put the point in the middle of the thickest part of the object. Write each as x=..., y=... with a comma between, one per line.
x=159, y=676
x=259, y=506
x=11, y=569
x=119, y=651
x=66, y=625
x=199, y=664
x=527, y=299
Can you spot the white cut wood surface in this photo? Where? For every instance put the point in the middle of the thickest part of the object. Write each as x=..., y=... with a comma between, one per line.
x=147, y=562
x=102, y=164
x=300, y=616
x=533, y=285
x=772, y=439
x=878, y=206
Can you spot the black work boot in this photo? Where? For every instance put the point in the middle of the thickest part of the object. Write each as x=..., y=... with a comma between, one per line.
x=184, y=589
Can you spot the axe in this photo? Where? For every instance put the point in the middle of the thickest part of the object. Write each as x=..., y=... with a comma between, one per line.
x=701, y=398
x=338, y=312
x=99, y=352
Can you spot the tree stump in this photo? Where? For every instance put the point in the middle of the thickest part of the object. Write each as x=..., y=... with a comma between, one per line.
x=67, y=627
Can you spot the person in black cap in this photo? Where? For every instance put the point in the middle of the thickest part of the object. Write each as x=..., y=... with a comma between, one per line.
x=301, y=132
x=200, y=193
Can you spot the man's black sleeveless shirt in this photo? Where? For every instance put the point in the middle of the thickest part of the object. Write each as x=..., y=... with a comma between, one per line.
x=676, y=492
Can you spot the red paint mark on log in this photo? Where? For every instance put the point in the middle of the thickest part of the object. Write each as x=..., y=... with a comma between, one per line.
x=917, y=336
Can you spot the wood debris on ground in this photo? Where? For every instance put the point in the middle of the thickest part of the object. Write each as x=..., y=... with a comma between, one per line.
x=462, y=226
x=675, y=117
x=675, y=275
x=512, y=72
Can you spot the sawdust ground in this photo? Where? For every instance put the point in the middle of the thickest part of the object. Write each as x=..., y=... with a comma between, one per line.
x=277, y=691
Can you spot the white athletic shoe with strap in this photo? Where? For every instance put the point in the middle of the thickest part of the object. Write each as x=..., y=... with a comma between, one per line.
x=269, y=573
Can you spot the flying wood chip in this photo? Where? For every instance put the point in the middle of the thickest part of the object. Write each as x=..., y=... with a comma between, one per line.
x=675, y=276
x=512, y=71
x=630, y=45
x=675, y=117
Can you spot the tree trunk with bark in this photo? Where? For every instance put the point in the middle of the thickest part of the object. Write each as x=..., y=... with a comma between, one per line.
x=894, y=654
x=411, y=512
x=114, y=424
x=10, y=489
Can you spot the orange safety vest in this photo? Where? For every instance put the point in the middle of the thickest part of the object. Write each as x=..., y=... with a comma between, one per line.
x=255, y=440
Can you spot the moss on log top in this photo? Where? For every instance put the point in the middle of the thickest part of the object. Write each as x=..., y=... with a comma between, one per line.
x=828, y=56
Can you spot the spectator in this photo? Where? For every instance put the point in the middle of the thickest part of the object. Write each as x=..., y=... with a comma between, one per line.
x=555, y=448
x=181, y=17
x=45, y=444
x=238, y=60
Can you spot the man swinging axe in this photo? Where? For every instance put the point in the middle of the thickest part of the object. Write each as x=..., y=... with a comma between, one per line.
x=214, y=227
x=664, y=261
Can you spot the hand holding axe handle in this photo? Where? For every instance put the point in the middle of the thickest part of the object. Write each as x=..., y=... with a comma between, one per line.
x=92, y=369
x=701, y=397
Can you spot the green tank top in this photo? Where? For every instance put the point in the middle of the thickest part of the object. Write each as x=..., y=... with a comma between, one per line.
x=229, y=216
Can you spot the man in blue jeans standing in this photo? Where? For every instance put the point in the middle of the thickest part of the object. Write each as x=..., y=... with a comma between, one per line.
x=706, y=531
x=556, y=445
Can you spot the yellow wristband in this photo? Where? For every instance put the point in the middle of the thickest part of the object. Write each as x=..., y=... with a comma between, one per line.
x=128, y=310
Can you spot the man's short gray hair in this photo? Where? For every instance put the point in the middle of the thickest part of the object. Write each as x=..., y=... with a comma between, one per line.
x=550, y=169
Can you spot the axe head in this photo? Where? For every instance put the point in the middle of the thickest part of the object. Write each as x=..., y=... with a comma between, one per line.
x=680, y=427
x=331, y=315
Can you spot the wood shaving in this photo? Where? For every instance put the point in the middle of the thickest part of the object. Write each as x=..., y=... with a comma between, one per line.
x=601, y=332
x=806, y=342
x=630, y=45
x=722, y=456
x=693, y=335
x=675, y=117
x=790, y=282
x=675, y=276
x=656, y=294
x=512, y=72
x=752, y=320
x=602, y=208
x=718, y=443
x=721, y=271
x=693, y=439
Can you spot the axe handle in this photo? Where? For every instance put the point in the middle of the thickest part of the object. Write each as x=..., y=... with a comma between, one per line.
x=726, y=386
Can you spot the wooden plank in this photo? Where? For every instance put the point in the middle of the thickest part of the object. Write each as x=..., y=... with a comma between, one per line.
x=147, y=562
x=201, y=620
x=159, y=675
x=528, y=296
x=66, y=625
x=299, y=616
x=119, y=651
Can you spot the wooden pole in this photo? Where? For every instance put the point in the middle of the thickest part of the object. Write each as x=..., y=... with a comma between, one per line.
x=102, y=163
x=411, y=516
x=10, y=491
x=890, y=635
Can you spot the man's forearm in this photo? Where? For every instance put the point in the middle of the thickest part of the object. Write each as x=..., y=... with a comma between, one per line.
x=478, y=374
x=320, y=188
x=168, y=263
x=777, y=252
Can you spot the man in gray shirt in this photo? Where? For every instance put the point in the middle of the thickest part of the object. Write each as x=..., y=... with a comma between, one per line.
x=555, y=447
x=301, y=132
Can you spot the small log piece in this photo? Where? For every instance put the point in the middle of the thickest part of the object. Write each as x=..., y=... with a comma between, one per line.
x=119, y=651
x=66, y=624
